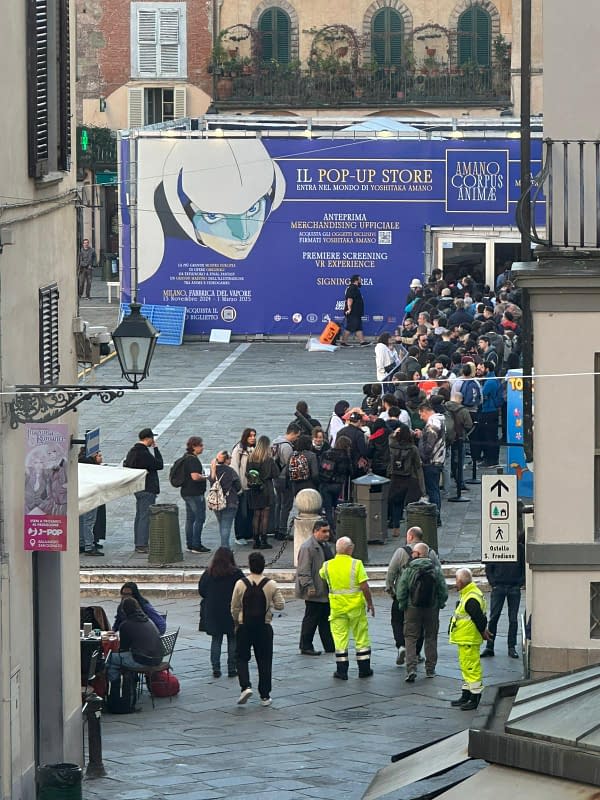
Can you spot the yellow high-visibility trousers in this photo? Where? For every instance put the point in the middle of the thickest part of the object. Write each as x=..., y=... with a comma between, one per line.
x=344, y=623
x=470, y=667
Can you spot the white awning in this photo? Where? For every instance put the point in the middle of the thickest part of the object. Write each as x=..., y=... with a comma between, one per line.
x=99, y=484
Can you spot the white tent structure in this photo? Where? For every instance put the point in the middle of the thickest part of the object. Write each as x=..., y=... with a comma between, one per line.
x=99, y=484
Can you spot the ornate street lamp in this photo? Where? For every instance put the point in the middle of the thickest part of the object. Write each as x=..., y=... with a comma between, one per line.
x=135, y=339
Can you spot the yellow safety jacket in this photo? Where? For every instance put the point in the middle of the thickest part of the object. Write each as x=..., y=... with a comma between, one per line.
x=344, y=574
x=462, y=628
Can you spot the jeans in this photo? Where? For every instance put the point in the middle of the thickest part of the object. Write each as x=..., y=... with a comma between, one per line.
x=215, y=652
x=195, y=516
x=329, y=494
x=283, y=505
x=116, y=661
x=431, y=473
x=225, y=519
x=512, y=594
x=141, y=524
x=86, y=530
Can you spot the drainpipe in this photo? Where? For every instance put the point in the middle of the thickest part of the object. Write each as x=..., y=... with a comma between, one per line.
x=5, y=663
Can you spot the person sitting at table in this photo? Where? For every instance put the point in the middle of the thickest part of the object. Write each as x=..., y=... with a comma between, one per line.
x=130, y=589
x=140, y=644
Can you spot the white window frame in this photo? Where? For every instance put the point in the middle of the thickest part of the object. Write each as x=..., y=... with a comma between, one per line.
x=158, y=72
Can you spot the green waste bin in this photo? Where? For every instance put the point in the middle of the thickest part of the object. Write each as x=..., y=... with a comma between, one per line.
x=424, y=516
x=351, y=521
x=59, y=782
x=110, y=267
x=164, y=546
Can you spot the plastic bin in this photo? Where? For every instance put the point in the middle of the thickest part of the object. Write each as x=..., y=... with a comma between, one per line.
x=164, y=546
x=59, y=782
x=351, y=521
x=372, y=491
x=424, y=516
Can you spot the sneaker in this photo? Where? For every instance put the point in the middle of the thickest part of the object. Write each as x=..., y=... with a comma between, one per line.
x=401, y=656
x=242, y=542
x=344, y=344
x=487, y=653
x=265, y=701
x=430, y=673
x=141, y=549
x=411, y=677
x=200, y=549
x=92, y=553
x=245, y=696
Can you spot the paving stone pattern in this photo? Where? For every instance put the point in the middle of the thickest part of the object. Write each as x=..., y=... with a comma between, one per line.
x=259, y=389
x=320, y=739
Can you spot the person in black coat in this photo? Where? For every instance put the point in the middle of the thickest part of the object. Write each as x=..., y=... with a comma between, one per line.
x=145, y=455
x=215, y=587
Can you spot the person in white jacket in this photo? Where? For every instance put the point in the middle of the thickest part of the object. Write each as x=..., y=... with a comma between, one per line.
x=386, y=357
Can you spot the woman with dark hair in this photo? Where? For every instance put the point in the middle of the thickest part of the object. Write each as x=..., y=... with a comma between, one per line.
x=261, y=470
x=221, y=471
x=406, y=474
x=335, y=472
x=239, y=458
x=130, y=589
x=215, y=587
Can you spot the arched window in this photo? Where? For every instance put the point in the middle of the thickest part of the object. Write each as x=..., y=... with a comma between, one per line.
x=387, y=30
x=274, y=27
x=475, y=37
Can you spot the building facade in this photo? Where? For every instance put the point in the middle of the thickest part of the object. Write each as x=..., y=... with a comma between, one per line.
x=40, y=714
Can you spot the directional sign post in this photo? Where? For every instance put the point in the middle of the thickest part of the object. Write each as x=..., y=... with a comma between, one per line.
x=499, y=518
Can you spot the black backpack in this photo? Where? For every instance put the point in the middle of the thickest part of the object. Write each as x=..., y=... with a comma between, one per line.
x=122, y=694
x=254, y=602
x=177, y=472
x=327, y=467
x=401, y=466
x=423, y=589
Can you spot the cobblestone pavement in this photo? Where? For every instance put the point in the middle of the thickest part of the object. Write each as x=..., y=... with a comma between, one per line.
x=216, y=390
x=320, y=738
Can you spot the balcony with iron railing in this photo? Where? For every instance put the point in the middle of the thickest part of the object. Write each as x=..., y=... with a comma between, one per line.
x=291, y=85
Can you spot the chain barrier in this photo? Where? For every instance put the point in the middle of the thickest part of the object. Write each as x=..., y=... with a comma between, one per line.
x=279, y=553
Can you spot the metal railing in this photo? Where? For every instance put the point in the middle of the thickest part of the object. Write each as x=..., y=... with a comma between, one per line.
x=569, y=185
x=362, y=87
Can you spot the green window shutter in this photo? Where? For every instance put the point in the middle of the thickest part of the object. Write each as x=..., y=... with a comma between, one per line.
x=474, y=37
x=274, y=26
x=265, y=26
x=282, y=37
x=387, y=30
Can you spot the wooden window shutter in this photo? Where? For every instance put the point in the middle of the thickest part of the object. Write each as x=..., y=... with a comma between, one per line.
x=64, y=89
x=396, y=30
x=180, y=109
x=48, y=335
x=474, y=37
x=169, y=42
x=378, y=37
x=483, y=25
x=135, y=107
x=37, y=87
x=265, y=26
x=282, y=35
x=147, y=43
x=465, y=37
x=387, y=29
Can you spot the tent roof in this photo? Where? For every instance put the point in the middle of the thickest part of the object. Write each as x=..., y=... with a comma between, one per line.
x=99, y=484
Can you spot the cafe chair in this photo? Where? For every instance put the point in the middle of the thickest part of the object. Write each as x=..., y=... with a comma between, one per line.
x=167, y=641
x=96, y=616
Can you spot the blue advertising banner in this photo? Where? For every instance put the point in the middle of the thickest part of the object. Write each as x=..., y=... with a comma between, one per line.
x=263, y=235
x=515, y=455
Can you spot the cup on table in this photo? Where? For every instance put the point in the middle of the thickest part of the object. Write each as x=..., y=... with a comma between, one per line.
x=87, y=629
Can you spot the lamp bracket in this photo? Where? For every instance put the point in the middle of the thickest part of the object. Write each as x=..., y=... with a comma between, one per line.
x=39, y=403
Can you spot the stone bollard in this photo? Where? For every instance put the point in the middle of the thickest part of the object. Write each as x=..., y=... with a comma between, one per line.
x=309, y=503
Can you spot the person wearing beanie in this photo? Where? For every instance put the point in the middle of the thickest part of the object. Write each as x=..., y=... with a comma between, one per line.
x=336, y=423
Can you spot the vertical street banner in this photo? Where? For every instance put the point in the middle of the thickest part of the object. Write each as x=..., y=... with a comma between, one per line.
x=262, y=235
x=515, y=452
x=45, y=509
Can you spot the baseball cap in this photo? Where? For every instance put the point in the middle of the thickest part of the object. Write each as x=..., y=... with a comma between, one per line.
x=146, y=433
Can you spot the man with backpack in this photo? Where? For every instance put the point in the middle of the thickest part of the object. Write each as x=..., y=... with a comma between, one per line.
x=187, y=474
x=400, y=560
x=144, y=455
x=281, y=450
x=251, y=603
x=421, y=593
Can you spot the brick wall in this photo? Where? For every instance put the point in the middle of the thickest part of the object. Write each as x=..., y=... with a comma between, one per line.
x=103, y=47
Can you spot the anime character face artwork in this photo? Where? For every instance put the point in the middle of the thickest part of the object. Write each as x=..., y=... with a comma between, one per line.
x=222, y=191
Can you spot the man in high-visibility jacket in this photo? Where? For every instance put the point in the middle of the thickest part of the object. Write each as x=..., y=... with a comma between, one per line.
x=349, y=600
x=468, y=628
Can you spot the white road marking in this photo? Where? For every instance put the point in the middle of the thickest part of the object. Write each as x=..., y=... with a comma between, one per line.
x=195, y=393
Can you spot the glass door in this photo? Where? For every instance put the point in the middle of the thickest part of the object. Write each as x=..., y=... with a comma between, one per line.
x=460, y=257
